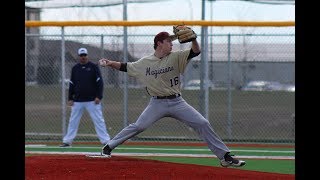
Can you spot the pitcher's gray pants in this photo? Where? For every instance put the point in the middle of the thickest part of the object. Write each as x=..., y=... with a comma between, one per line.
x=176, y=108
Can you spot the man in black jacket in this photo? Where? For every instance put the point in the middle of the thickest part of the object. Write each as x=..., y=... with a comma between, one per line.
x=85, y=92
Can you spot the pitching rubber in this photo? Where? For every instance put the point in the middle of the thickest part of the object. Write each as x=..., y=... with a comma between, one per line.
x=97, y=156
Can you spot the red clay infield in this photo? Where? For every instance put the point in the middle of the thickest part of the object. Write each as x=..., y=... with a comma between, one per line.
x=79, y=167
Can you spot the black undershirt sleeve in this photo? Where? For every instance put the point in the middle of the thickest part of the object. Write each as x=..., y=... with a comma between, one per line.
x=123, y=67
x=192, y=54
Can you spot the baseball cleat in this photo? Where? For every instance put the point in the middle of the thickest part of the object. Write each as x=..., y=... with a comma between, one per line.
x=65, y=145
x=230, y=161
x=106, y=151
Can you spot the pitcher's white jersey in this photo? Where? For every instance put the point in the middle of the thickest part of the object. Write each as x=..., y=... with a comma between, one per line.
x=160, y=76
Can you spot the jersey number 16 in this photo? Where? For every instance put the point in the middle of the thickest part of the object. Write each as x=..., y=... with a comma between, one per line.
x=174, y=81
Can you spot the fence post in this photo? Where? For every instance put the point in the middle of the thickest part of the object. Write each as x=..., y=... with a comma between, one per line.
x=204, y=93
x=63, y=76
x=229, y=90
x=125, y=76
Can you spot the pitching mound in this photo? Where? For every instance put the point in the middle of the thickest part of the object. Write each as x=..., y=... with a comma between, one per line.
x=84, y=168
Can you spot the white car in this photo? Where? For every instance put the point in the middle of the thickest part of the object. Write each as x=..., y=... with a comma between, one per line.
x=195, y=85
x=255, y=86
x=267, y=86
x=290, y=88
x=192, y=85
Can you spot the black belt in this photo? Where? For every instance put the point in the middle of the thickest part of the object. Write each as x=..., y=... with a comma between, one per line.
x=167, y=97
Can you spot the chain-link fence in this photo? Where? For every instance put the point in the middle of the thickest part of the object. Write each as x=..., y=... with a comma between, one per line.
x=249, y=79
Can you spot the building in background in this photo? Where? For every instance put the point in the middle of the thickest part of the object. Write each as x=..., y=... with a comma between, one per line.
x=32, y=50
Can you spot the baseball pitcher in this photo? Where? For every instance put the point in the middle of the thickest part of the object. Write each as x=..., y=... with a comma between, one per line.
x=160, y=72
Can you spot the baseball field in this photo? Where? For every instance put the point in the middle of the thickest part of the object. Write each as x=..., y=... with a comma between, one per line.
x=147, y=160
x=259, y=117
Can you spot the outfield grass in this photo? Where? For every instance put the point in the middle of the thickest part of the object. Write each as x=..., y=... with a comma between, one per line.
x=255, y=115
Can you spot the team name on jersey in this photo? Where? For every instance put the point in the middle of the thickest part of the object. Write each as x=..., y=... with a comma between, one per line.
x=155, y=72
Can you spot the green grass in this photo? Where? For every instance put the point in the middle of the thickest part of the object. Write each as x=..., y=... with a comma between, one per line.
x=274, y=166
x=261, y=116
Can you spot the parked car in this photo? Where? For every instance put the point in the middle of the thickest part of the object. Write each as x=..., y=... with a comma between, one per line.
x=195, y=85
x=268, y=86
x=263, y=86
x=66, y=82
x=255, y=86
x=274, y=86
x=289, y=87
x=192, y=85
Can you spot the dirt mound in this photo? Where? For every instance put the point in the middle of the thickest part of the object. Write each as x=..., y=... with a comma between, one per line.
x=79, y=167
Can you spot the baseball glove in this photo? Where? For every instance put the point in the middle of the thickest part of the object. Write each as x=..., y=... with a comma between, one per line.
x=184, y=34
